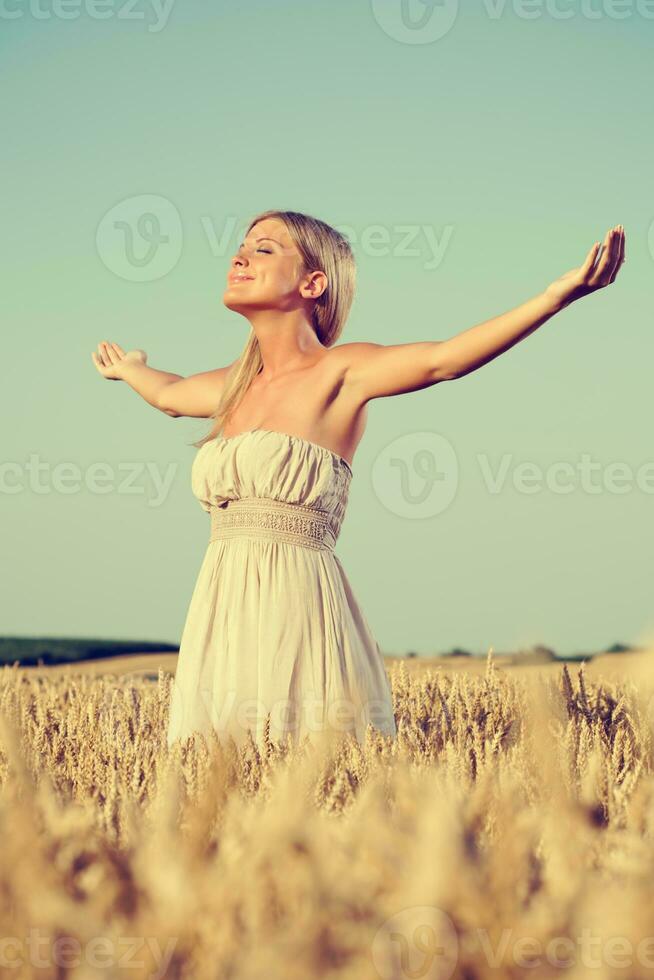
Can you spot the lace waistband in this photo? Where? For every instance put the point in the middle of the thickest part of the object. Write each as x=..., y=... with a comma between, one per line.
x=262, y=517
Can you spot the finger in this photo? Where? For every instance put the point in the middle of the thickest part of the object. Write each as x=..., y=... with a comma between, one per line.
x=605, y=249
x=620, y=257
x=599, y=273
x=96, y=360
x=119, y=349
x=110, y=354
x=101, y=354
x=590, y=260
x=614, y=256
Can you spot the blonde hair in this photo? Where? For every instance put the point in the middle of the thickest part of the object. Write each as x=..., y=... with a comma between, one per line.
x=322, y=248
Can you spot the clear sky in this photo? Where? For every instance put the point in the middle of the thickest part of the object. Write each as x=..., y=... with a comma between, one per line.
x=472, y=159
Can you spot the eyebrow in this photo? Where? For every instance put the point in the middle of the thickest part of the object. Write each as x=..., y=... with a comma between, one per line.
x=266, y=240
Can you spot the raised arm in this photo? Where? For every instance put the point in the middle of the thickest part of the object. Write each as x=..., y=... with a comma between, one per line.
x=377, y=371
x=196, y=396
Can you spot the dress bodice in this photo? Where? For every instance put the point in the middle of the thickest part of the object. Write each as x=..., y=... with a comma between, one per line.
x=274, y=465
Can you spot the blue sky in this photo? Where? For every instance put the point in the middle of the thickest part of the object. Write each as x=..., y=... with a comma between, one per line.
x=471, y=160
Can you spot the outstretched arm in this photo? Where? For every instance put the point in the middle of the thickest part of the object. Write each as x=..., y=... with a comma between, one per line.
x=378, y=371
x=196, y=396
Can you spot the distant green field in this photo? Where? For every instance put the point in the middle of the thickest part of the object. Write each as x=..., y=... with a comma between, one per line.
x=30, y=651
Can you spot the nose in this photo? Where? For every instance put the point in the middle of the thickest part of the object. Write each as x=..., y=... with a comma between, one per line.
x=239, y=259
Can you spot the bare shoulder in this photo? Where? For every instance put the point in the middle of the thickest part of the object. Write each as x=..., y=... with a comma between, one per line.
x=350, y=361
x=353, y=353
x=346, y=360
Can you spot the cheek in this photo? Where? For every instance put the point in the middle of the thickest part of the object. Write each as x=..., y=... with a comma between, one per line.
x=282, y=279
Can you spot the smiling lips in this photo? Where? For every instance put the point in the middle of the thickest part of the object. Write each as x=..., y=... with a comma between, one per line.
x=234, y=279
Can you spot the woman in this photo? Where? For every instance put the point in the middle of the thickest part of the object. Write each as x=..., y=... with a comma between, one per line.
x=274, y=634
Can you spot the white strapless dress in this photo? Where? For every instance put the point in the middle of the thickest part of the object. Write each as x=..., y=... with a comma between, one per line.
x=273, y=632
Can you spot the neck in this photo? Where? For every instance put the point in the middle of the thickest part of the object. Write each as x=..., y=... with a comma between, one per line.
x=285, y=340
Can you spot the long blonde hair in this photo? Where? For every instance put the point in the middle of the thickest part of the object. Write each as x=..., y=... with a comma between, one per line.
x=323, y=248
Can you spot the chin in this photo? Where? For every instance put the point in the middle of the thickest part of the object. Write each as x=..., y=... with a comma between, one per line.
x=231, y=302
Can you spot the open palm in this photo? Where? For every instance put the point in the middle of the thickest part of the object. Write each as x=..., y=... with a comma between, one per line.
x=110, y=359
x=591, y=275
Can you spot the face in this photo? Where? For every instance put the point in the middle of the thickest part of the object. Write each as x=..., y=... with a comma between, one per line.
x=266, y=272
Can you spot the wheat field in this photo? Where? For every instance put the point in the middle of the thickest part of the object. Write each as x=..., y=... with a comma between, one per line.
x=505, y=832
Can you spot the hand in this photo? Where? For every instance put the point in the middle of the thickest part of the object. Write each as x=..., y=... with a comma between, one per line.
x=587, y=278
x=111, y=360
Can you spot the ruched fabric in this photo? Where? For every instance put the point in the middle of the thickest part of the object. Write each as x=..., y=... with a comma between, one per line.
x=274, y=633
